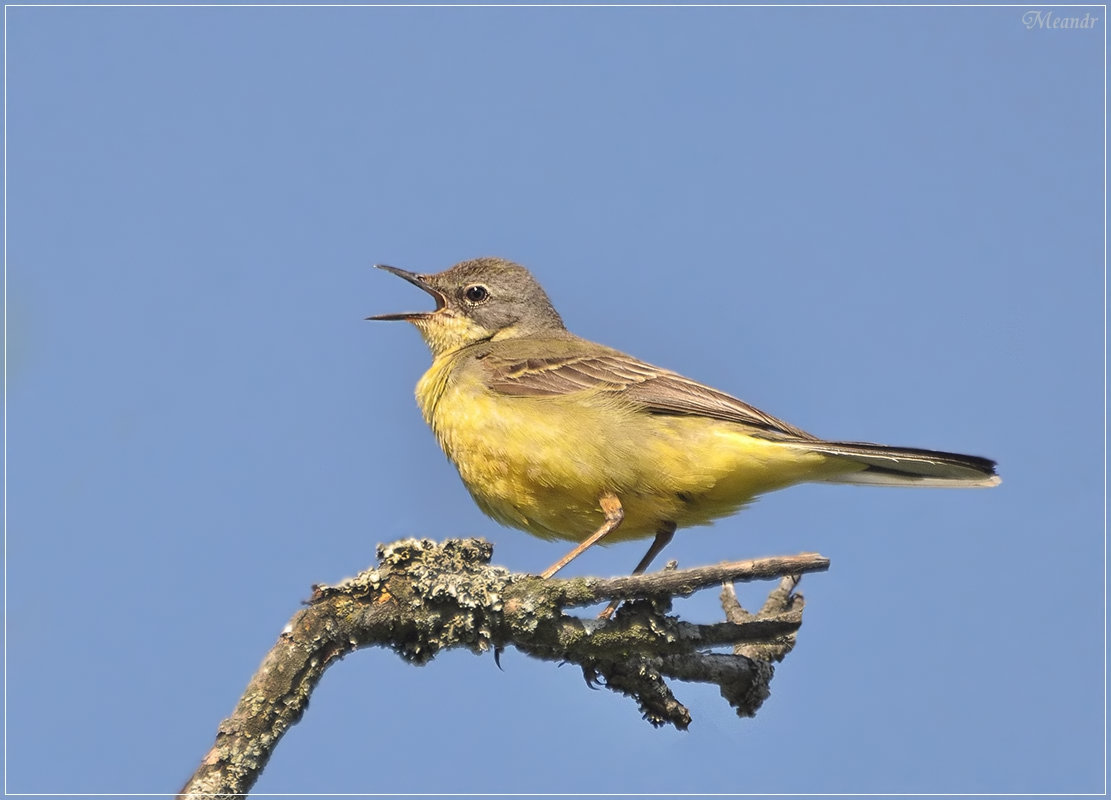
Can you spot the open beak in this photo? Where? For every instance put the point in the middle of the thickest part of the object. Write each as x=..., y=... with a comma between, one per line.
x=416, y=280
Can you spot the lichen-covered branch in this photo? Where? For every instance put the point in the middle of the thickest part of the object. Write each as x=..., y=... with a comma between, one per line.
x=424, y=597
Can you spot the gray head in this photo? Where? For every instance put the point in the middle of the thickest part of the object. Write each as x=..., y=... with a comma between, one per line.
x=479, y=300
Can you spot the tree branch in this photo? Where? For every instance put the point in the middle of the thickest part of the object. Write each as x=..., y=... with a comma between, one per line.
x=424, y=597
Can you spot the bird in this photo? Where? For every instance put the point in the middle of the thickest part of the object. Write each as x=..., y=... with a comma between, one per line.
x=568, y=439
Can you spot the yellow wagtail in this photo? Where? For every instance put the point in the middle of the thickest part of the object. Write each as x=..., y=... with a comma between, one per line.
x=568, y=439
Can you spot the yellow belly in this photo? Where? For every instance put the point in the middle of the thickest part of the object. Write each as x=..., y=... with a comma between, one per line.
x=541, y=464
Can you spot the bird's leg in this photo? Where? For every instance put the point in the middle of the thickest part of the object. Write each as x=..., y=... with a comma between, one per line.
x=663, y=536
x=611, y=507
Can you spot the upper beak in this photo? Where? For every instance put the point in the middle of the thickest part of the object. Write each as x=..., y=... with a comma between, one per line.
x=416, y=280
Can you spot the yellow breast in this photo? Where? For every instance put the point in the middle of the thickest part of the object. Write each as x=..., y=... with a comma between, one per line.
x=542, y=463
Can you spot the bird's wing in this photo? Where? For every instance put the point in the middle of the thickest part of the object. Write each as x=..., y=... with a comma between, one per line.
x=656, y=390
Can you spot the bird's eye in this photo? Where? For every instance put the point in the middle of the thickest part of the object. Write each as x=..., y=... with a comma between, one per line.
x=476, y=293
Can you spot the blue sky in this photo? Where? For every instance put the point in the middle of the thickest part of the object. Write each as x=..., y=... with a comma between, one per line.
x=879, y=224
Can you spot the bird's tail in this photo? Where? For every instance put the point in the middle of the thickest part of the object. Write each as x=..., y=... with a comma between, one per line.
x=879, y=465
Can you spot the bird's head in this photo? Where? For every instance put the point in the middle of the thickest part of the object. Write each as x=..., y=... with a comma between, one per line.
x=478, y=300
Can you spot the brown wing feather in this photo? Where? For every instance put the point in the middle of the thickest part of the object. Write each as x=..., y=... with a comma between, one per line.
x=656, y=390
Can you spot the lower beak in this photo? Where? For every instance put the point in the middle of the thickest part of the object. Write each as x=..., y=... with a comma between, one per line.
x=418, y=281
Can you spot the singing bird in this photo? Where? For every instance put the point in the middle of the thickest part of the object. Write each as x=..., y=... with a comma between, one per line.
x=568, y=439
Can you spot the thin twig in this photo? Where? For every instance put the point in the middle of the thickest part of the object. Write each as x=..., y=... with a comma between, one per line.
x=683, y=582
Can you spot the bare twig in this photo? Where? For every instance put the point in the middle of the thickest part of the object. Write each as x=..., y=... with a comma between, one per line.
x=683, y=582
x=424, y=597
x=782, y=604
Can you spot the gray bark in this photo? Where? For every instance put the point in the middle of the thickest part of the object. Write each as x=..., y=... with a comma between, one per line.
x=424, y=597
